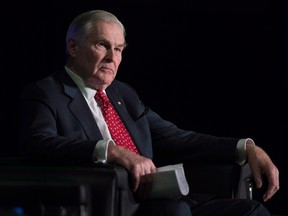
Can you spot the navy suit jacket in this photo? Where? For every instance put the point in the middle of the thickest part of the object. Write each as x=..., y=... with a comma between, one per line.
x=57, y=125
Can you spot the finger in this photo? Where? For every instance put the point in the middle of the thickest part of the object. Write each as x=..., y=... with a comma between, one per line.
x=257, y=177
x=153, y=169
x=136, y=182
x=273, y=185
x=270, y=192
x=258, y=181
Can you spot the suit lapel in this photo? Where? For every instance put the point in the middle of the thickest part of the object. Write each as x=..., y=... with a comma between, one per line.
x=82, y=113
x=80, y=109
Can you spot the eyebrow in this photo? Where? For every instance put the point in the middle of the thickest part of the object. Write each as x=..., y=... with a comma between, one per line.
x=123, y=45
x=108, y=42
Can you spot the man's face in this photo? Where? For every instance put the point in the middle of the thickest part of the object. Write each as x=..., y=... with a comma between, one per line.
x=98, y=57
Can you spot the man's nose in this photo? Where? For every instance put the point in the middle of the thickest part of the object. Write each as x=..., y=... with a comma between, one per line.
x=110, y=55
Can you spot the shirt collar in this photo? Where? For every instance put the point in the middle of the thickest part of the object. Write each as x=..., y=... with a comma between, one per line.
x=88, y=92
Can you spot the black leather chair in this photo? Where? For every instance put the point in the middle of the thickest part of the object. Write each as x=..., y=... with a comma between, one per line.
x=101, y=189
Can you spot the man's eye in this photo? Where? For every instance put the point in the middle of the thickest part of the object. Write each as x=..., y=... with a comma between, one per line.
x=100, y=44
x=118, y=50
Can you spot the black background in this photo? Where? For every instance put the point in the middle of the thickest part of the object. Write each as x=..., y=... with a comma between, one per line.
x=216, y=67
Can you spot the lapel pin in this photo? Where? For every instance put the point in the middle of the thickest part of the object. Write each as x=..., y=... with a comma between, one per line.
x=119, y=103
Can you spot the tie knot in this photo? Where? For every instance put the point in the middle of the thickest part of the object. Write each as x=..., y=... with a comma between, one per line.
x=101, y=97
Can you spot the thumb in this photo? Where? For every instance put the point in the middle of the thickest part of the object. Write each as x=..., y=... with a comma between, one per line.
x=258, y=179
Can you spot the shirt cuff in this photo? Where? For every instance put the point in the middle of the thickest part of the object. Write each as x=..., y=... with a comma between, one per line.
x=100, y=151
x=241, y=150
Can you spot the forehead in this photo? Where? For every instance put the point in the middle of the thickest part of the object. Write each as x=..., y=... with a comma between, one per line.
x=108, y=30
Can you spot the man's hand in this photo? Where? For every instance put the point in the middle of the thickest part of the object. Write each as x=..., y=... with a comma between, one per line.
x=136, y=164
x=261, y=164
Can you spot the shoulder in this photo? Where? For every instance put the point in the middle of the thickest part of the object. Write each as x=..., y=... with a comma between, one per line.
x=43, y=82
x=122, y=88
x=48, y=85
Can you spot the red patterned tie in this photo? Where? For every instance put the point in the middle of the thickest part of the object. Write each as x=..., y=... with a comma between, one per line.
x=116, y=127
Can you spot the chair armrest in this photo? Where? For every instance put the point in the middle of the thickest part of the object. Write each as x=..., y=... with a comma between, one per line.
x=99, y=189
x=47, y=188
x=222, y=180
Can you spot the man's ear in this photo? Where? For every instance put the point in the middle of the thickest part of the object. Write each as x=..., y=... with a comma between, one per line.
x=72, y=47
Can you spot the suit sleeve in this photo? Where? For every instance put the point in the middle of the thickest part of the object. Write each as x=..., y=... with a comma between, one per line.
x=175, y=145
